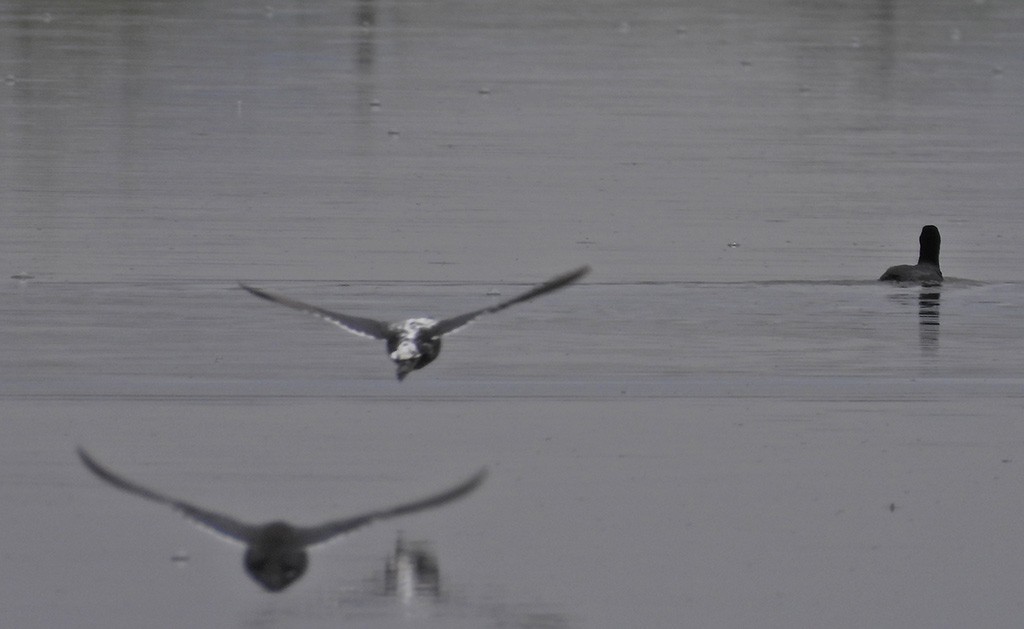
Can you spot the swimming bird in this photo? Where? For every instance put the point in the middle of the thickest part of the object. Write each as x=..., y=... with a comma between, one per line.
x=275, y=552
x=926, y=271
x=414, y=343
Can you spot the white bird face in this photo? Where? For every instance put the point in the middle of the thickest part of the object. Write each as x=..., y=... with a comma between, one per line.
x=407, y=350
x=412, y=327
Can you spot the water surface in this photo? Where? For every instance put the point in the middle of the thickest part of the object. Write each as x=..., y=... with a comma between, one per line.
x=727, y=424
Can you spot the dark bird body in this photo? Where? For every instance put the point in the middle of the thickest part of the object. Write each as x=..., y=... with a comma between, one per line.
x=926, y=271
x=415, y=343
x=275, y=552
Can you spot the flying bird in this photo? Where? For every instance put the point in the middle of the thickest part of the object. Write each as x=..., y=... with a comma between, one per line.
x=275, y=552
x=926, y=271
x=414, y=343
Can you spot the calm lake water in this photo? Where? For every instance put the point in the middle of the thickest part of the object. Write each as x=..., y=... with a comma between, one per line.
x=728, y=423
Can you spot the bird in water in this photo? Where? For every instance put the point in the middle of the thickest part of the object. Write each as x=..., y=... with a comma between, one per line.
x=415, y=343
x=926, y=271
x=275, y=552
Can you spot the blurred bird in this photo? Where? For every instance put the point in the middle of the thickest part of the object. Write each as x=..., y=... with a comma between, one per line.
x=275, y=552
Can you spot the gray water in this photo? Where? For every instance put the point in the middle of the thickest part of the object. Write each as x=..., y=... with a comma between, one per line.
x=727, y=424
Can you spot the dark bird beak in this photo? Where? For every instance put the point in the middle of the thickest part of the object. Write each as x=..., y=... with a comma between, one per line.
x=403, y=370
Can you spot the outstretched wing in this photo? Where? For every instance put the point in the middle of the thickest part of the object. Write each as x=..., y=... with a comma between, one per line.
x=319, y=534
x=218, y=523
x=356, y=325
x=451, y=325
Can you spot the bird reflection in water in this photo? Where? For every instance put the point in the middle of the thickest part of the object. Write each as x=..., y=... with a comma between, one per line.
x=412, y=570
x=928, y=319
